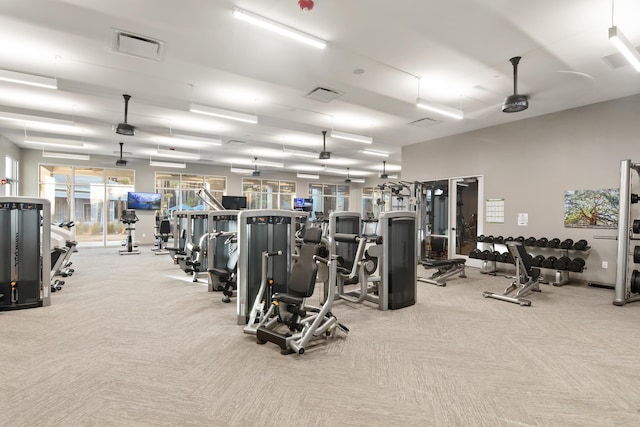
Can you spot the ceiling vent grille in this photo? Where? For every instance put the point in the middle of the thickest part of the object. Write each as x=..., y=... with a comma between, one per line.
x=323, y=94
x=616, y=60
x=137, y=45
x=424, y=122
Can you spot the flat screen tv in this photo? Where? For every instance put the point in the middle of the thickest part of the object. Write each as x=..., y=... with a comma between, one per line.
x=144, y=201
x=302, y=204
x=234, y=202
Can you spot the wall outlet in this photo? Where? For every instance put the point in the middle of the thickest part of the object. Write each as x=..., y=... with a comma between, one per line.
x=605, y=264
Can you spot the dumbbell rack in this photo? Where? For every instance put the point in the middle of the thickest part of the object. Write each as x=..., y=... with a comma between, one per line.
x=562, y=277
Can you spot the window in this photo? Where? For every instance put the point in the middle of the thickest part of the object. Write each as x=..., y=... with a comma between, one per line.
x=91, y=197
x=268, y=193
x=329, y=197
x=179, y=191
x=11, y=173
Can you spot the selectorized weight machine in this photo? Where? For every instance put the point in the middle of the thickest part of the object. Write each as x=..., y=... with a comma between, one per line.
x=262, y=230
x=25, y=258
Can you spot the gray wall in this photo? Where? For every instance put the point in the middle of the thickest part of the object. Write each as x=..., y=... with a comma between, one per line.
x=532, y=162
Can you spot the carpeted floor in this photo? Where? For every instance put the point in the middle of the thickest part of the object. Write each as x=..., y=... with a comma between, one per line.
x=131, y=341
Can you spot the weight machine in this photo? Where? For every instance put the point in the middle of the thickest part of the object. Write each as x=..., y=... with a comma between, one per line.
x=392, y=255
x=25, y=260
x=223, y=252
x=627, y=288
x=262, y=230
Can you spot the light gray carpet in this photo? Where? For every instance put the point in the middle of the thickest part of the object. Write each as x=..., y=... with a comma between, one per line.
x=131, y=341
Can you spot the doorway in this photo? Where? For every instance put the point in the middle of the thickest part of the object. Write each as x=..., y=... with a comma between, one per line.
x=449, y=216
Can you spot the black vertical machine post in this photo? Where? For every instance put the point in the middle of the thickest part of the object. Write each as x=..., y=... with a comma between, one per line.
x=25, y=258
x=345, y=223
x=263, y=230
x=399, y=259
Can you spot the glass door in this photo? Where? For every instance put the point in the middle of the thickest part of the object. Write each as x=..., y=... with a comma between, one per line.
x=433, y=208
x=465, y=198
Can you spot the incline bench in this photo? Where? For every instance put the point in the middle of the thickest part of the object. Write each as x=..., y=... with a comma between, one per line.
x=526, y=277
x=445, y=269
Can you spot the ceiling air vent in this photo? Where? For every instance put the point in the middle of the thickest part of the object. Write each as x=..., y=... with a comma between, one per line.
x=323, y=94
x=616, y=60
x=137, y=45
x=424, y=122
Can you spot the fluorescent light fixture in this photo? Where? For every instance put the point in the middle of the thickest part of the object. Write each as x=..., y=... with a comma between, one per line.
x=5, y=115
x=308, y=175
x=241, y=170
x=279, y=28
x=167, y=164
x=297, y=153
x=188, y=138
x=225, y=114
x=174, y=154
x=440, y=109
x=28, y=79
x=625, y=47
x=375, y=153
x=272, y=164
x=62, y=143
x=351, y=137
x=69, y=156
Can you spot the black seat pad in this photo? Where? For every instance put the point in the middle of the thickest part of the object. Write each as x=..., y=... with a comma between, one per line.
x=436, y=263
x=224, y=275
x=288, y=299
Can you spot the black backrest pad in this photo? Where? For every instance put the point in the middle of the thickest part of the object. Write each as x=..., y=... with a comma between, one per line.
x=312, y=235
x=302, y=278
x=517, y=249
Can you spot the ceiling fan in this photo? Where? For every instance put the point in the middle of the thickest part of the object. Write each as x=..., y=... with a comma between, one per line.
x=256, y=171
x=121, y=161
x=384, y=174
x=516, y=102
x=125, y=128
x=324, y=154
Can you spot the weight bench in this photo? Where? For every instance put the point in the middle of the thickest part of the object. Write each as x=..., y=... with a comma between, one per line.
x=526, y=277
x=445, y=269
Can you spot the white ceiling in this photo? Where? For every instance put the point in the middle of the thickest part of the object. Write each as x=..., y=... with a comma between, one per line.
x=459, y=48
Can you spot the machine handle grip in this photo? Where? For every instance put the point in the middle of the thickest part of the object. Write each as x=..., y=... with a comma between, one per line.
x=270, y=254
x=320, y=259
x=346, y=238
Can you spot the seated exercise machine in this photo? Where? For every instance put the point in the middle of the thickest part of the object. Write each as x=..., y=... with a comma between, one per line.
x=445, y=268
x=300, y=324
x=392, y=255
x=526, y=277
x=62, y=237
x=222, y=258
x=129, y=218
x=162, y=237
x=180, y=228
x=223, y=278
x=259, y=231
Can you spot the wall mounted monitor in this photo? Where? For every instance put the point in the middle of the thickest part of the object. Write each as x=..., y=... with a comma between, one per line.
x=144, y=201
x=302, y=204
x=234, y=202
